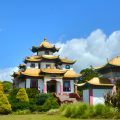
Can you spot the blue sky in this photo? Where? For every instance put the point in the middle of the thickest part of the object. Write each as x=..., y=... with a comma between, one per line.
x=24, y=23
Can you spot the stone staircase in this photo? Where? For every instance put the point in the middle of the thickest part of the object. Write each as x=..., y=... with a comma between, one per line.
x=71, y=98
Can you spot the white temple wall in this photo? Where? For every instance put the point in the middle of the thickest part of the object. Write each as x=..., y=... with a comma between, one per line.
x=28, y=65
x=36, y=65
x=50, y=53
x=72, y=86
x=41, y=53
x=58, y=87
x=40, y=84
x=22, y=84
x=27, y=83
x=86, y=96
x=98, y=95
x=43, y=64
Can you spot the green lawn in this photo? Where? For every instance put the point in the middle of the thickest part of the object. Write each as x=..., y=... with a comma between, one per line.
x=34, y=117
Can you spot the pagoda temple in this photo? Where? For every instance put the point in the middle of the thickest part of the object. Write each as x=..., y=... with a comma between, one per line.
x=110, y=70
x=46, y=71
x=95, y=89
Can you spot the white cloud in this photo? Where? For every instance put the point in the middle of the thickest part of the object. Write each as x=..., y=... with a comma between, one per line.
x=92, y=50
x=5, y=74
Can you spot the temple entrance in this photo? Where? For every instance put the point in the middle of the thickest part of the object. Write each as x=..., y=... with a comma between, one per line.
x=51, y=86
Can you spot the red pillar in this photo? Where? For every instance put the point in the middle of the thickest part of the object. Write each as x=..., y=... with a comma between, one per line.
x=91, y=96
x=45, y=90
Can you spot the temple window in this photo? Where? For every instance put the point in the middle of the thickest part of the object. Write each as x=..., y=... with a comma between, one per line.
x=67, y=66
x=46, y=52
x=66, y=86
x=32, y=65
x=47, y=65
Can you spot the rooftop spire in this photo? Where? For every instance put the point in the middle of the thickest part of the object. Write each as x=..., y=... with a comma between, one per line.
x=45, y=39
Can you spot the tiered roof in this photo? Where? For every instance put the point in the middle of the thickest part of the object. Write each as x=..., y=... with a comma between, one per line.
x=39, y=58
x=71, y=74
x=98, y=82
x=34, y=72
x=45, y=45
x=113, y=62
x=53, y=71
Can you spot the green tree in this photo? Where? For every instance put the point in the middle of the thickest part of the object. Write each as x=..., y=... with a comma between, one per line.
x=1, y=86
x=118, y=84
x=7, y=86
x=5, y=107
x=88, y=74
x=22, y=95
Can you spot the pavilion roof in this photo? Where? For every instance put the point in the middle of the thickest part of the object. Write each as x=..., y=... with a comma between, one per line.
x=98, y=82
x=113, y=61
x=53, y=70
x=67, y=61
x=71, y=74
x=33, y=72
x=45, y=45
x=37, y=58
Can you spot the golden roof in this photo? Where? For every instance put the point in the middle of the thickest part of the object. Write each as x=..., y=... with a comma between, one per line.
x=53, y=70
x=50, y=56
x=115, y=61
x=33, y=72
x=98, y=81
x=71, y=74
x=66, y=60
x=46, y=44
x=39, y=58
x=98, y=67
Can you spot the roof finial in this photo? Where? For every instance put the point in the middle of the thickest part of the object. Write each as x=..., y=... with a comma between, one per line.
x=45, y=39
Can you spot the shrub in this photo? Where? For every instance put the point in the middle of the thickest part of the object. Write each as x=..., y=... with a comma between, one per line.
x=32, y=92
x=1, y=86
x=21, y=112
x=7, y=86
x=22, y=95
x=33, y=107
x=41, y=98
x=113, y=99
x=53, y=111
x=13, y=92
x=82, y=110
x=50, y=103
x=5, y=107
x=18, y=105
x=18, y=99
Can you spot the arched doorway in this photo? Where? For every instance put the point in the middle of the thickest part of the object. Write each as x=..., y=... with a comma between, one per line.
x=51, y=86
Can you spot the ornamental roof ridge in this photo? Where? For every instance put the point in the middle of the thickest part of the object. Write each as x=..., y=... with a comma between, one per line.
x=44, y=45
